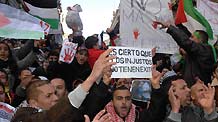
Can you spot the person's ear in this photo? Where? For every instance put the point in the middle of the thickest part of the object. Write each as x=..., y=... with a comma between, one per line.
x=33, y=103
x=192, y=97
x=214, y=74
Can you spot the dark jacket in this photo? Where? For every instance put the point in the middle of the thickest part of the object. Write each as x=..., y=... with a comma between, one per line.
x=199, y=59
x=69, y=72
x=192, y=114
x=156, y=111
x=40, y=71
x=95, y=101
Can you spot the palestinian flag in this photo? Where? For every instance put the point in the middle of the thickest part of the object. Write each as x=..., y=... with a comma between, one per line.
x=191, y=18
x=18, y=24
x=45, y=10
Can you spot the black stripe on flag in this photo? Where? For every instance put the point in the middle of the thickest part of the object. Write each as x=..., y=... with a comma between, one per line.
x=43, y=3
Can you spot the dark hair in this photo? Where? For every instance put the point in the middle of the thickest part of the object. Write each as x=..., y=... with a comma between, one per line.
x=11, y=60
x=21, y=70
x=82, y=51
x=76, y=83
x=9, y=41
x=166, y=84
x=78, y=39
x=165, y=61
x=53, y=53
x=2, y=70
x=90, y=42
x=203, y=36
x=123, y=87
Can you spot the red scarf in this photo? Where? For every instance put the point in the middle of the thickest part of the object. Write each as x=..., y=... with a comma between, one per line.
x=115, y=118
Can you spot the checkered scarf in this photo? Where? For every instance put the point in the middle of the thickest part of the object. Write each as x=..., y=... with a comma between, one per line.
x=115, y=118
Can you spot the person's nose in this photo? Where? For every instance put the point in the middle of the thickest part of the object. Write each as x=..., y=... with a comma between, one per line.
x=189, y=90
x=124, y=101
x=55, y=98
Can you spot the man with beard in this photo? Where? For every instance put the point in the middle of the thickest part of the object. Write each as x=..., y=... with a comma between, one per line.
x=202, y=109
x=43, y=103
x=122, y=109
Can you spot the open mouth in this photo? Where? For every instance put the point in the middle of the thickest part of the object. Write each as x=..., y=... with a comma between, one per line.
x=124, y=108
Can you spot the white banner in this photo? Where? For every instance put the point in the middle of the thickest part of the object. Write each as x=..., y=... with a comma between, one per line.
x=210, y=11
x=131, y=62
x=138, y=27
x=68, y=52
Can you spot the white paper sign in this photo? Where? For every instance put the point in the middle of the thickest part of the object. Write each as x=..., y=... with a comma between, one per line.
x=138, y=27
x=68, y=52
x=131, y=62
x=6, y=112
x=210, y=11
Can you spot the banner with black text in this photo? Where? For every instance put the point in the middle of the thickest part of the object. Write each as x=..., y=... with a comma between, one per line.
x=131, y=62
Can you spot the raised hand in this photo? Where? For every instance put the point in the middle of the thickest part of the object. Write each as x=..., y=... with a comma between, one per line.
x=153, y=51
x=100, y=117
x=162, y=24
x=174, y=100
x=156, y=76
x=107, y=75
x=103, y=61
x=207, y=103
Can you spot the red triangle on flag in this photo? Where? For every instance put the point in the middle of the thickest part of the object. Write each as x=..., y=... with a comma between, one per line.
x=4, y=20
x=180, y=15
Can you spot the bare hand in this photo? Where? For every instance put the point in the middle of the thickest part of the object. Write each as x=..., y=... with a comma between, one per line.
x=103, y=61
x=153, y=52
x=100, y=117
x=163, y=25
x=174, y=100
x=207, y=103
x=107, y=75
x=156, y=76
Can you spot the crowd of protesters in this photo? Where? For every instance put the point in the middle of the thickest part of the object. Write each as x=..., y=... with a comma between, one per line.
x=44, y=89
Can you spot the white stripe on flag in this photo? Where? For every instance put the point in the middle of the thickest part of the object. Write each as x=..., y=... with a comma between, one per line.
x=51, y=13
x=192, y=24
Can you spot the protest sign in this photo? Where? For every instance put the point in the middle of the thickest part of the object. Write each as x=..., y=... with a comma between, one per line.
x=141, y=90
x=131, y=62
x=209, y=10
x=6, y=112
x=138, y=27
x=68, y=52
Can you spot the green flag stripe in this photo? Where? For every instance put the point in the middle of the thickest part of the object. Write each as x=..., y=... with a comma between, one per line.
x=54, y=23
x=191, y=11
x=21, y=34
